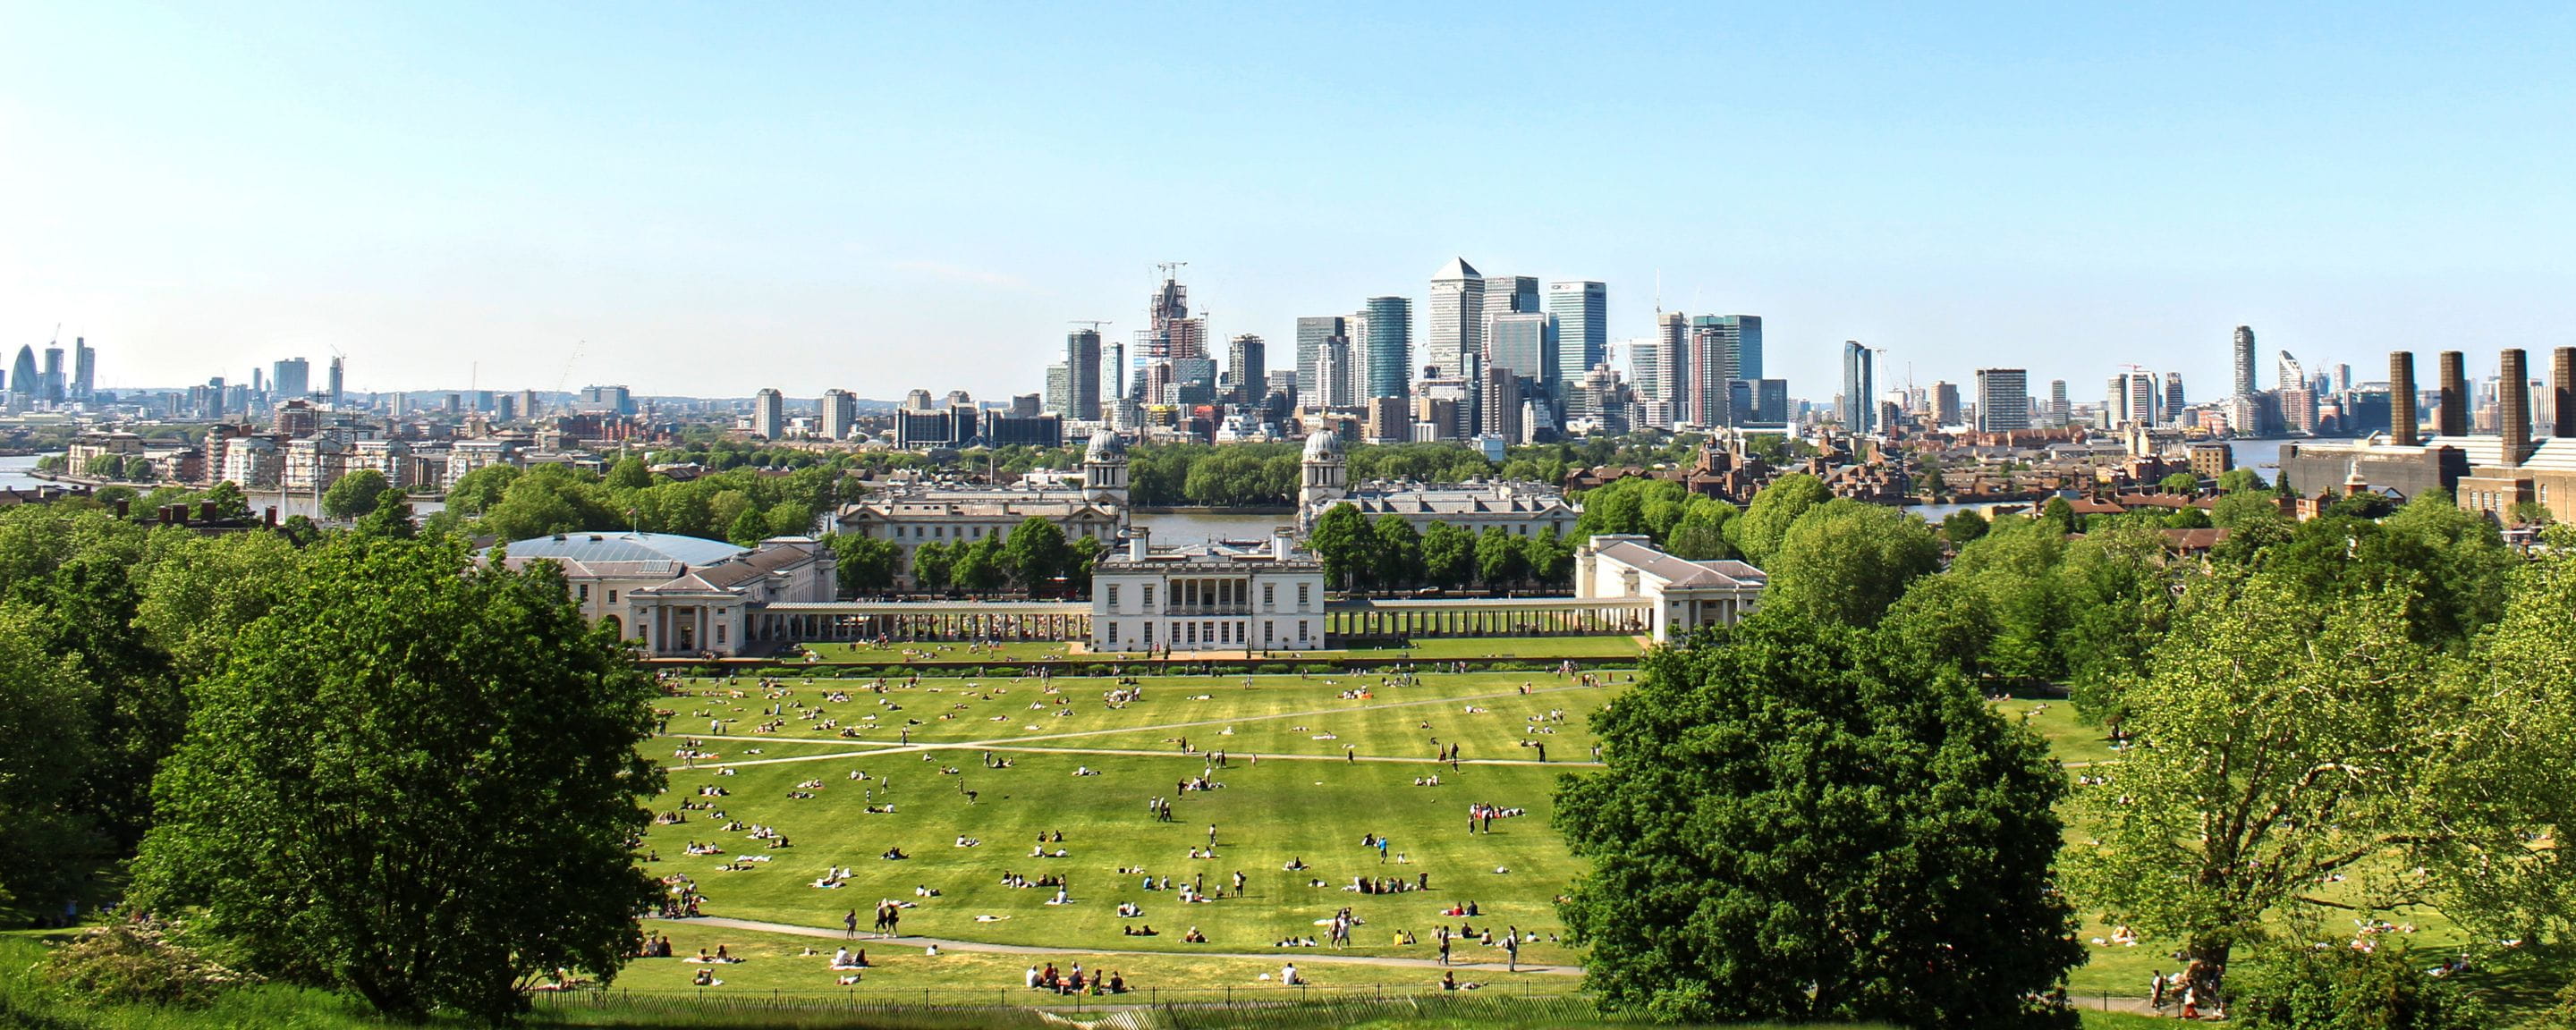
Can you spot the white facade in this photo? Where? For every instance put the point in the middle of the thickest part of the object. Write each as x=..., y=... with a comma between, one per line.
x=677, y=595
x=1207, y=598
x=1686, y=595
x=251, y=462
x=922, y=512
x=313, y=464
x=391, y=458
x=1520, y=508
x=469, y=455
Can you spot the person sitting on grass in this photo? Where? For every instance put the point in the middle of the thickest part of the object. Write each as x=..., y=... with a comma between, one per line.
x=1194, y=937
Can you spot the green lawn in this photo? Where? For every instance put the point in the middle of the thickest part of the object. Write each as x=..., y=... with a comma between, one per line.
x=1520, y=648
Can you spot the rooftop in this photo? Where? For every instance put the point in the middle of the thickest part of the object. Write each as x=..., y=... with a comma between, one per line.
x=589, y=548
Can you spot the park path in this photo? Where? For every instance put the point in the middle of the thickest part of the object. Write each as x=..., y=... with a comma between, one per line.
x=1301, y=956
x=1017, y=743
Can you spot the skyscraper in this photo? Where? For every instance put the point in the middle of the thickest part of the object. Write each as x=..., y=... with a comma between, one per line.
x=2244, y=361
x=841, y=412
x=1332, y=388
x=1945, y=404
x=1582, y=310
x=1313, y=333
x=23, y=381
x=53, y=381
x=768, y=414
x=1665, y=380
x=1524, y=344
x=2131, y=399
x=2173, y=395
x=1744, y=345
x=84, y=369
x=1248, y=359
x=1720, y=345
x=335, y=388
x=2003, y=399
x=1510, y=295
x=1390, y=346
x=1457, y=322
x=1858, y=407
x=2060, y=410
x=1082, y=374
x=2298, y=399
x=290, y=379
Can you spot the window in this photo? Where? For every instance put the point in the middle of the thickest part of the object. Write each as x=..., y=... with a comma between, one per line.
x=1192, y=629
x=720, y=630
x=1149, y=596
x=1113, y=632
x=585, y=592
x=1149, y=634
x=1301, y=631
x=1267, y=592
x=1302, y=589
x=1113, y=598
x=1266, y=628
x=612, y=595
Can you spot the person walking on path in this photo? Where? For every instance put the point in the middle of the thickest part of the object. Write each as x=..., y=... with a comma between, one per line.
x=850, y=924
x=1512, y=948
x=1444, y=944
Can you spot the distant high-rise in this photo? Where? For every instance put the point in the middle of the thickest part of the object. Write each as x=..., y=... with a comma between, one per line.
x=1524, y=344
x=2173, y=395
x=335, y=388
x=1390, y=346
x=841, y=413
x=2244, y=361
x=23, y=379
x=2060, y=410
x=1510, y=295
x=290, y=379
x=1858, y=409
x=1248, y=360
x=1313, y=334
x=1710, y=391
x=1457, y=318
x=54, y=378
x=2298, y=400
x=1666, y=379
x=1582, y=310
x=2003, y=399
x=1332, y=387
x=1945, y=404
x=2131, y=399
x=1742, y=339
x=84, y=369
x=1082, y=374
x=768, y=414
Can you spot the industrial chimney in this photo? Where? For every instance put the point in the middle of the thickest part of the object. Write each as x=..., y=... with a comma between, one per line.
x=2401, y=398
x=2513, y=406
x=2451, y=413
x=2562, y=392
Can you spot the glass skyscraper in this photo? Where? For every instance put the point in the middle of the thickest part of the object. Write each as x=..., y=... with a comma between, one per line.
x=1523, y=344
x=1582, y=310
x=1390, y=346
x=1858, y=407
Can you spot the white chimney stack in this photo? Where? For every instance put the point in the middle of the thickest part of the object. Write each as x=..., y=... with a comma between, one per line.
x=1139, y=543
x=1280, y=544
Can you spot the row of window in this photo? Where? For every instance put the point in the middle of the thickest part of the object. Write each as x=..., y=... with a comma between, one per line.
x=1215, y=631
x=943, y=531
x=1191, y=593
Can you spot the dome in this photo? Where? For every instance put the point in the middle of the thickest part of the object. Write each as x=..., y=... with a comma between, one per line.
x=607, y=547
x=1323, y=444
x=1106, y=446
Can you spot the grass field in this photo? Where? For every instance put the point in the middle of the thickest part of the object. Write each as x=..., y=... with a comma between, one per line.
x=1521, y=648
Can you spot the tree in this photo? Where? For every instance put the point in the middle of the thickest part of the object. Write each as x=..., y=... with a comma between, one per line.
x=1963, y=527
x=2059, y=516
x=979, y=567
x=477, y=491
x=1500, y=561
x=2237, y=481
x=1846, y=561
x=2279, y=743
x=748, y=528
x=228, y=500
x=138, y=468
x=1343, y=539
x=1083, y=553
x=1774, y=509
x=1396, y=560
x=1809, y=823
x=2183, y=483
x=543, y=502
x=867, y=564
x=2308, y=988
x=47, y=826
x=1550, y=558
x=931, y=566
x=1448, y=556
x=137, y=709
x=391, y=517
x=1036, y=553
x=1700, y=534
x=355, y=494
x=415, y=780
x=104, y=466
x=629, y=474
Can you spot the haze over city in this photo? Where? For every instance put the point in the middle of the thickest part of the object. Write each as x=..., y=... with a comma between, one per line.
x=708, y=202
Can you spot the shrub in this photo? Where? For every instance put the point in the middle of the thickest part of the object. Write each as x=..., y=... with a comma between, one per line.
x=2343, y=989
x=138, y=963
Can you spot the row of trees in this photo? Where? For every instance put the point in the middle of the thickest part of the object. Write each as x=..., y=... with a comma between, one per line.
x=364, y=763
x=1389, y=554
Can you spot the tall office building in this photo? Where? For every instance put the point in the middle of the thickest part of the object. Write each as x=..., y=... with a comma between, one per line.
x=2061, y=412
x=335, y=386
x=2173, y=396
x=768, y=414
x=84, y=369
x=1390, y=346
x=2298, y=399
x=840, y=414
x=1858, y=407
x=1248, y=360
x=1945, y=404
x=290, y=379
x=1314, y=333
x=54, y=378
x=1743, y=344
x=1332, y=388
x=1082, y=375
x=2131, y=399
x=1582, y=310
x=23, y=380
x=2003, y=399
x=1721, y=347
x=1457, y=322
x=1524, y=344
x=1663, y=371
x=2244, y=361
x=1510, y=295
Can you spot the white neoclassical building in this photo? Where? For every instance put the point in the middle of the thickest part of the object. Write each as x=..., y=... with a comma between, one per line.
x=1207, y=597
x=1521, y=508
x=929, y=512
x=1685, y=595
x=681, y=595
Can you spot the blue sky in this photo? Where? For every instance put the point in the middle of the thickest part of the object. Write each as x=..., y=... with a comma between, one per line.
x=711, y=199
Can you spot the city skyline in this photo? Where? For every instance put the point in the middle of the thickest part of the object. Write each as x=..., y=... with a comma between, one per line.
x=580, y=199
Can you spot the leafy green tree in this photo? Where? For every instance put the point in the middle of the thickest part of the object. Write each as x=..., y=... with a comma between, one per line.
x=542, y=502
x=1792, y=826
x=980, y=567
x=1500, y=561
x=355, y=494
x=1082, y=555
x=1550, y=558
x=2059, y=516
x=137, y=710
x=1700, y=533
x=2015, y=569
x=629, y=474
x=2115, y=596
x=1396, y=560
x=866, y=564
x=1448, y=556
x=391, y=517
x=228, y=500
x=1846, y=561
x=1036, y=553
x=1345, y=541
x=1963, y=527
x=137, y=468
x=2183, y=483
x=104, y=466
x=477, y=491
x=414, y=780
x=2281, y=741
x=932, y=565
x=2307, y=988
x=1766, y=522
x=748, y=528
x=48, y=826
x=2237, y=481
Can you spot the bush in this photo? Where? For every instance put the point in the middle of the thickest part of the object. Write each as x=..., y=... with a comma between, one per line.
x=135, y=963
x=2342, y=989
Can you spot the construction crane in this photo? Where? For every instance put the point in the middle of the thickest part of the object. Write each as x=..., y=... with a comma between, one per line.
x=566, y=377
x=1094, y=323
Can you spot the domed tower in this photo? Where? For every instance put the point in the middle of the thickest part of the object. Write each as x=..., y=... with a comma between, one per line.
x=1104, y=469
x=1327, y=472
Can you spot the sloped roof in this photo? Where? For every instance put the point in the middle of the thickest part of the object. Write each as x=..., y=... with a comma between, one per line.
x=1457, y=268
x=627, y=547
x=1683, y=572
